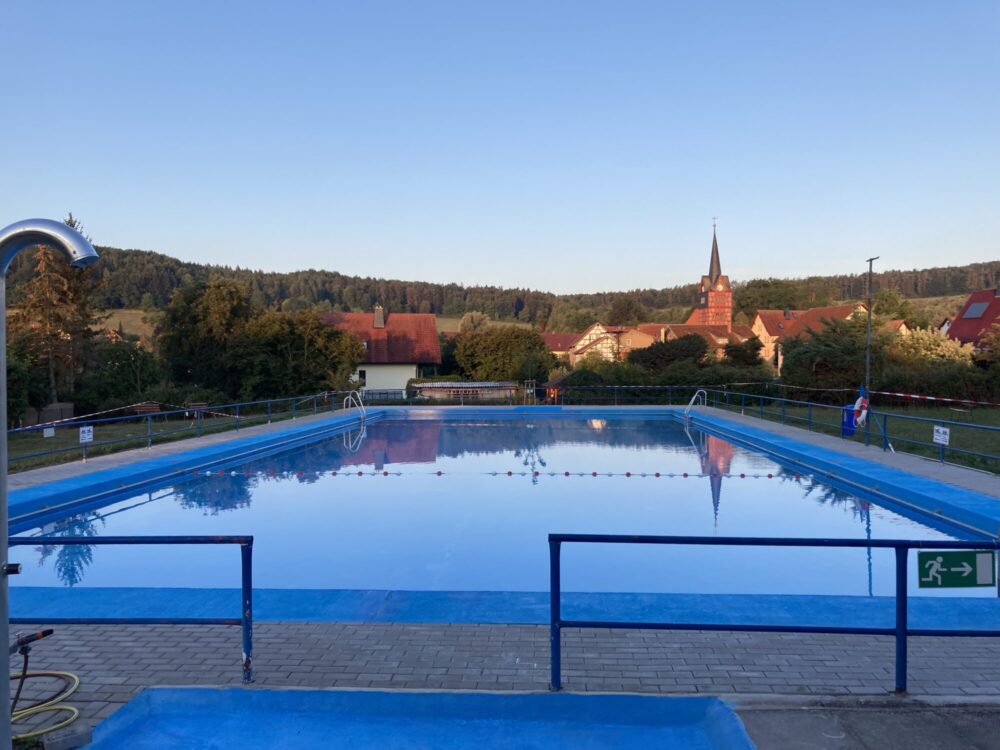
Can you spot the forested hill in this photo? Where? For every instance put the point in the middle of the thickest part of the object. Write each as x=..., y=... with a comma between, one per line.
x=134, y=278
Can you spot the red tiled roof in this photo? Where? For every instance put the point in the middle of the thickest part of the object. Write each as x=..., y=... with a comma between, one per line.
x=560, y=342
x=970, y=330
x=816, y=319
x=408, y=338
x=715, y=334
x=651, y=329
x=741, y=333
x=893, y=326
x=775, y=322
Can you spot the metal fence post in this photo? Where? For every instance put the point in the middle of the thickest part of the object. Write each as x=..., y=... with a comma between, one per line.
x=783, y=411
x=149, y=431
x=809, y=416
x=885, y=432
x=269, y=411
x=237, y=417
x=555, y=625
x=246, y=610
x=293, y=410
x=200, y=413
x=314, y=404
x=901, y=626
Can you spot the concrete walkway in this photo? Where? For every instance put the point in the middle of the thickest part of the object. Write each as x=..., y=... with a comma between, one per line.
x=958, y=476
x=792, y=690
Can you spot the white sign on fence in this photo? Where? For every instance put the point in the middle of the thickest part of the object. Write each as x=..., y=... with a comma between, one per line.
x=942, y=435
x=87, y=434
x=48, y=432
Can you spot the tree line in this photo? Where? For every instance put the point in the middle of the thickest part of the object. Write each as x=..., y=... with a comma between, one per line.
x=213, y=344
x=139, y=278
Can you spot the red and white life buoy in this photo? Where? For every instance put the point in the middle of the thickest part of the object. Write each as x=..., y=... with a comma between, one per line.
x=860, y=411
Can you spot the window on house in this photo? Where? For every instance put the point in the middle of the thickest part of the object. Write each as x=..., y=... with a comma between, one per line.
x=362, y=375
x=976, y=310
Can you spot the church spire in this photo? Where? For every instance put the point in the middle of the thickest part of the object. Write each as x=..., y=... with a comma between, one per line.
x=715, y=267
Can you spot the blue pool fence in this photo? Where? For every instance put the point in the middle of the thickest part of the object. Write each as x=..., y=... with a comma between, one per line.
x=245, y=620
x=969, y=443
x=901, y=630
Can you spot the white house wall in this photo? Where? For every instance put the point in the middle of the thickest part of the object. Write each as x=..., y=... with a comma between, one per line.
x=387, y=377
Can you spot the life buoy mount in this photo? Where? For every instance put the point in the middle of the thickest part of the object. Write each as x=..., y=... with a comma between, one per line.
x=860, y=411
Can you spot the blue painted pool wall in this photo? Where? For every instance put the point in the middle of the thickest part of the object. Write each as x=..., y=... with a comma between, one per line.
x=223, y=717
x=45, y=604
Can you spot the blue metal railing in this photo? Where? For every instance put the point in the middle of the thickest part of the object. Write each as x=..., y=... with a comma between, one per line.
x=900, y=631
x=193, y=420
x=890, y=430
x=245, y=620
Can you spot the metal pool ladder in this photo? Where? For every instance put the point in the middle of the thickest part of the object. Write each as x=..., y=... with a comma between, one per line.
x=354, y=400
x=700, y=397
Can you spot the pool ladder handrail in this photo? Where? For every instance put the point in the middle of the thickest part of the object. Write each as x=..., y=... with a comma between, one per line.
x=694, y=401
x=353, y=399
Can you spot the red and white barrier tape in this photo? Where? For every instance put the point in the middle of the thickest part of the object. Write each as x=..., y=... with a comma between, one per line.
x=942, y=399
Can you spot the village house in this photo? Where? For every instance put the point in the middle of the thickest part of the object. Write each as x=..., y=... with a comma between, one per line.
x=398, y=347
x=980, y=311
x=611, y=343
x=561, y=344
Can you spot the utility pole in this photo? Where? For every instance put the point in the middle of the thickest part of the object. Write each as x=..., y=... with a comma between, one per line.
x=868, y=345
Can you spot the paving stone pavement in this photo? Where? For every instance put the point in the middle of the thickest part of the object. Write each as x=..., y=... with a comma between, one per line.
x=115, y=662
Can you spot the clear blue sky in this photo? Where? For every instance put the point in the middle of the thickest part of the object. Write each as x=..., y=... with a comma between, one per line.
x=566, y=146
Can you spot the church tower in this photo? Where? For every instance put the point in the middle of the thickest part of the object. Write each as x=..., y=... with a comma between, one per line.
x=714, y=305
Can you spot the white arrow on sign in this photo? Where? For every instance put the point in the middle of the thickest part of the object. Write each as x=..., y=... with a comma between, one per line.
x=964, y=570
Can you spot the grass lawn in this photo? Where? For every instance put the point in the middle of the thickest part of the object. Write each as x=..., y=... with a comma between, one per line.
x=130, y=320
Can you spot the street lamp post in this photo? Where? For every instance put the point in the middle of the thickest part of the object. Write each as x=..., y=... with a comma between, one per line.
x=868, y=342
x=13, y=240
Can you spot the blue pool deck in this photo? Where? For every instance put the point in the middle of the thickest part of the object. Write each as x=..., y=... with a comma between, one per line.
x=195, y=718
x=502, y=607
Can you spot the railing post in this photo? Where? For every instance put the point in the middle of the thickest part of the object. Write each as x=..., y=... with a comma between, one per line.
x=555, y=623
x=237, y=417
x=246, y=558
x=200, y=413
x=293, y=409
x=901, y=625
x=885, y=432
x=809, y=416
x=149, y=431
x=269, y=411
x=783, y=405
x=314, y=404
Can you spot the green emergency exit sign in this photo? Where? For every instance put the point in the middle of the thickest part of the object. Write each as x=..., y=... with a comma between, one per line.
x=956, y=569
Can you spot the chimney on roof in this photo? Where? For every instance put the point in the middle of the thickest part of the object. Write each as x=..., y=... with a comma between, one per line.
x=788, y=313
x=379, y=317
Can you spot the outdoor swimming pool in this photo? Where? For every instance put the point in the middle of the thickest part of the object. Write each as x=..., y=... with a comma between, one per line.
x=459, y=504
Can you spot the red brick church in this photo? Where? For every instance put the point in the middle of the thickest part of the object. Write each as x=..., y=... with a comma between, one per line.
x=714, y=305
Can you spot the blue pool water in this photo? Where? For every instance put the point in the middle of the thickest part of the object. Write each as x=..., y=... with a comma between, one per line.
x=453, y=505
